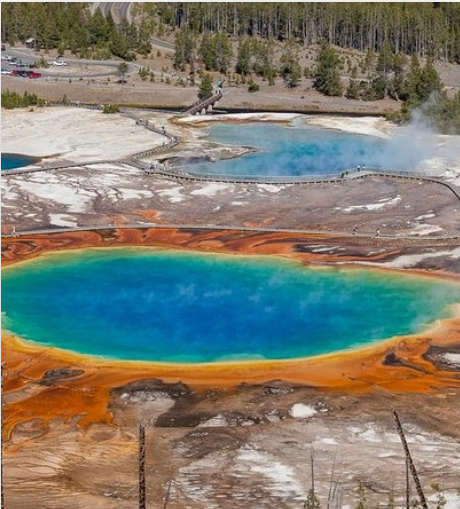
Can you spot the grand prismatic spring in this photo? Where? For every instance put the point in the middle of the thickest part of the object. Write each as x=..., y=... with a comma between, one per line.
x=171, y=306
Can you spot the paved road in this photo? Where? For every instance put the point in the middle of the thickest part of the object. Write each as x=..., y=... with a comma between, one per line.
x=162, y=44
x=29, y=56
x=119, y=10
x=122, y=10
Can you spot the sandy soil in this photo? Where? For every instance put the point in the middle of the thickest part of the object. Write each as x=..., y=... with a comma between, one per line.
x=162, y=95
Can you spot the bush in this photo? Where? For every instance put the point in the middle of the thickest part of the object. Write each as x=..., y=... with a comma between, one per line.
x=144, y=73
x=111, y=108
x=11, y=100
x=253, y=86
x=41, y=62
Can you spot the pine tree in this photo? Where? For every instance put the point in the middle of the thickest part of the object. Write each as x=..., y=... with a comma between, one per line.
x=206, y=87
x=429, y=82
x=361, y=497
x=291, y=70
x=243, y=59
x=312, y=501
x=327, y=77
x=185, y=47
x=223, y=53
x=353, y=89
x=207, y=51
x=122, y=69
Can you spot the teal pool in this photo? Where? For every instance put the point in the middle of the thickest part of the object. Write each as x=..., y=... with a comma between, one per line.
x=301, y=149
x=168, y=306
x=14, y=161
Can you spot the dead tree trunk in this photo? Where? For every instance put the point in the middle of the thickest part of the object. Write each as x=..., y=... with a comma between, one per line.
x=413, y=471
x=142, y=502
x=168, y=493
x=331, y=494
x=407, y=485
x=312, y=465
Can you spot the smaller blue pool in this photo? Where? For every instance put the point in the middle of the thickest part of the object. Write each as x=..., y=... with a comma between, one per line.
x=13, y=161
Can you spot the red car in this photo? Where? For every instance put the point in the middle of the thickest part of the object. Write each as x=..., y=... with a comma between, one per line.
x=34, y=75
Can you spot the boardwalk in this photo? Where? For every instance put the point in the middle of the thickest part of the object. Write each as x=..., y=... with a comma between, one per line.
x=238, y=228
x=199, y=106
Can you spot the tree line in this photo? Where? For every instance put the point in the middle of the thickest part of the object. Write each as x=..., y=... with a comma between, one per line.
x=424, y=29
x=11, y=100
x=70, y=26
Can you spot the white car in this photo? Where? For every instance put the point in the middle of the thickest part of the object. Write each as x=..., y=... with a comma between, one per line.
x=59, y=63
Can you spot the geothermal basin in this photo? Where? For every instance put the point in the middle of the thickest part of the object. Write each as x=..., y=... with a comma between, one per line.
x=159, y=305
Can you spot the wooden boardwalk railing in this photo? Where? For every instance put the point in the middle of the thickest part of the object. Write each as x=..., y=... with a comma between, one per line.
x=198, y=106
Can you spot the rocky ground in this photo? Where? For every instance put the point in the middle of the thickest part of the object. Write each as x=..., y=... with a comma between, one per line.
x=114, y=193
x=246, y=448
x=249, y=446
x=104, y=194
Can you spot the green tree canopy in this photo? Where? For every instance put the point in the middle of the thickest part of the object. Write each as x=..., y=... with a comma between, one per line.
x=327, y=77
x=206, y=87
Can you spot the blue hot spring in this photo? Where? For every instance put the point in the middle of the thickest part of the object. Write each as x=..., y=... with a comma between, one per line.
x=148, y=304
x=301, y=149
x=13, y=161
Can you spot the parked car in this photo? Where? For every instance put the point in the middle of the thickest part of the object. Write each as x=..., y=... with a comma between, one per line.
x=6, y=71
x=35, y=75
x=15, y=72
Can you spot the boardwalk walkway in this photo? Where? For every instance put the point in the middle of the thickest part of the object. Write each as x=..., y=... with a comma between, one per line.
x=211, y=227
x=199, y=106
x=181, y=174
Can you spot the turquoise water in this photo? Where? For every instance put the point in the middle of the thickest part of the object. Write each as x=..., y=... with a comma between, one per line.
x=289, y=151
x=308, y=150
x=188, y=307
x=12, y=161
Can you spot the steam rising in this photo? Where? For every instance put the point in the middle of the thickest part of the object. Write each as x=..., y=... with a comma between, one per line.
x=307, y=150
x=418, y=146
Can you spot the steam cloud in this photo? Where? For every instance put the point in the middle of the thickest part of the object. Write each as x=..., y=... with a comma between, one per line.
x=310, y=151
